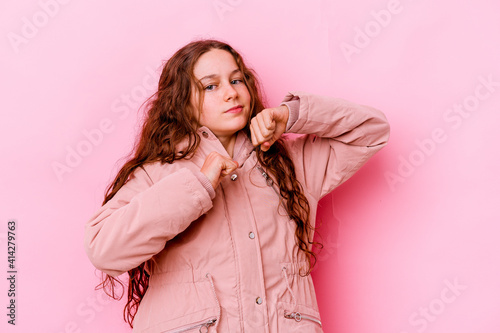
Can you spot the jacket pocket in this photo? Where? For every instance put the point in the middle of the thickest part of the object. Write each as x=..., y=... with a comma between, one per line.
x=302, y=319
x=202, y=326
x=297, y=316
x=180, y=306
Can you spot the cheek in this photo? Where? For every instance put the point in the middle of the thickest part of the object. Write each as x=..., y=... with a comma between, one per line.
x=244, y=93
x=206, y=107
x=207, y=111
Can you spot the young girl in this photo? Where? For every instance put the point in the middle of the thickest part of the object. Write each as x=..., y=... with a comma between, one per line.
x=213, y=216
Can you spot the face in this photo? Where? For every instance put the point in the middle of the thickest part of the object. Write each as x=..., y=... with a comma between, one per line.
x=226, y=101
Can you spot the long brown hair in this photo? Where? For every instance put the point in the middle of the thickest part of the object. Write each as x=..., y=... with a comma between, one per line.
x=168, y=121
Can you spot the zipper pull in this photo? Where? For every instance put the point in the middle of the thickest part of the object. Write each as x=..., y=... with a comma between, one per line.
x=205, y=326
x=297, y=316
x=269, y=180
x=294, y=315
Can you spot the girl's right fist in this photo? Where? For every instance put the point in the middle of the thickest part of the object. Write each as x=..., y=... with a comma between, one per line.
x=217, y=166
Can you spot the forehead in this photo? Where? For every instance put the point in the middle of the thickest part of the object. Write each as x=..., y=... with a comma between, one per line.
x=214, y=62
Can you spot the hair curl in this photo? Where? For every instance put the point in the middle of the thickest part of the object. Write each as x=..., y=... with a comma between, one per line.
x=167, y=122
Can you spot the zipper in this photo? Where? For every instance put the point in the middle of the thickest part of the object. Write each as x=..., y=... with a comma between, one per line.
x=269, y=180
x=297, y=316
x=202, y=326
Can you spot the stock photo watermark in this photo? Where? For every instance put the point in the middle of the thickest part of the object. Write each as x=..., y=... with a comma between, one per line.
x=31, y=26
x=330, y=247
x=224, y=6
x=363, y=36
x=91, y=138
x=420, y=319
x=454, y=117
x=86, y=312
x=12, y=271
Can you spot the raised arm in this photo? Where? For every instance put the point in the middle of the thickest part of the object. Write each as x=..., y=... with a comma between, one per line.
x=340, y=137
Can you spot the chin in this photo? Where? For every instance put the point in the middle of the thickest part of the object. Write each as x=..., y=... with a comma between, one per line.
x=242, y=126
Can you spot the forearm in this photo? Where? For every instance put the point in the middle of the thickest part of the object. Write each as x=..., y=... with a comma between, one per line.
x=136, y=224
x=338, y=138
x=335, y=118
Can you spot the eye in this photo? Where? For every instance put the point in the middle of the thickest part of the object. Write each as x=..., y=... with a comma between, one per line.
x=236, y=81
x=210, y=87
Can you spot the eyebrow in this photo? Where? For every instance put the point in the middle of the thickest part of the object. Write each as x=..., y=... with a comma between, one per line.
x=211, y=76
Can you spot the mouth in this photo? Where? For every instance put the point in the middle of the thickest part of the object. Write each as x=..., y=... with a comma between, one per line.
x=235, y=109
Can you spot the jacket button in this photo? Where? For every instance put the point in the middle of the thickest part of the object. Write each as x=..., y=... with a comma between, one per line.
x=258, y=300
x=205, y=134
x=251, y=235
x=234, y=177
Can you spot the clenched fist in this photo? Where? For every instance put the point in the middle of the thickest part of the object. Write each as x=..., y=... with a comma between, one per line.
x=267, y=126
x=217, y=166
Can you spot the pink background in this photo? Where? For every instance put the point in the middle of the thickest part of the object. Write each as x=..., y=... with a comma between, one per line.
x=411, y=241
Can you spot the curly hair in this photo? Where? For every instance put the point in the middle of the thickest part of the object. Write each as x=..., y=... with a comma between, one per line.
x=168, y=121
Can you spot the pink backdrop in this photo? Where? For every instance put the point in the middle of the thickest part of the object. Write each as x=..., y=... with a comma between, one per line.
x=411, y=241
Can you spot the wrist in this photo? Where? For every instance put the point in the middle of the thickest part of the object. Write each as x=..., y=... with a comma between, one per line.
x=293, y=112
x=284, y=113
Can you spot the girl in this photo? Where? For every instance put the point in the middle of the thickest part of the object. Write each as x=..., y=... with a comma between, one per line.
x=213, y=216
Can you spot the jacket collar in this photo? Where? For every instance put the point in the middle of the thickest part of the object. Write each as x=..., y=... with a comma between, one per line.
x=243, y=147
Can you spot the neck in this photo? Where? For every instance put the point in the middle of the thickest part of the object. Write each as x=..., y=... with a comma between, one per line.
x=228, y=143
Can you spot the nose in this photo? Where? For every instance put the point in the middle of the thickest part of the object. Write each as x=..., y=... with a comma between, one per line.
x=230, y=92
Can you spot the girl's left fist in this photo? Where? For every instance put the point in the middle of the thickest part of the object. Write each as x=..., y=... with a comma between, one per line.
x=268, y=125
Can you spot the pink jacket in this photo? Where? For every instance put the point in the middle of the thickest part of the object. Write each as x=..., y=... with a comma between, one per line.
x=224, y=260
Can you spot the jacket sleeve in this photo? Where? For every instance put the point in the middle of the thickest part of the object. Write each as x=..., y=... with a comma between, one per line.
x=142, y=216
x=340, y=136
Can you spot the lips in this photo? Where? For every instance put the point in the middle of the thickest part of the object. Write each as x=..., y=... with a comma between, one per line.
x=235, y=109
